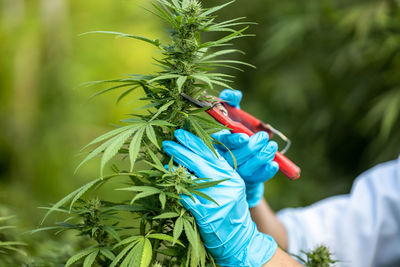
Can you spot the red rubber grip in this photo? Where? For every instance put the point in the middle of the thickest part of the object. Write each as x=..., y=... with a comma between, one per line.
x=242, y=116
x=286, y=166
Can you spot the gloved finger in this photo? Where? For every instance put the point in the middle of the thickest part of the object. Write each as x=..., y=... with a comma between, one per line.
x=232, y=97
x=256, y=143
x=264, y=173
x=183, y=156
x=199, y=165
x=261, y=158
x=195, y=144
x=230, y=141
x=258, y=140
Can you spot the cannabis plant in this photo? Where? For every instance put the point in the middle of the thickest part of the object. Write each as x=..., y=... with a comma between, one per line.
x=10, y=248
x=152, y=226
x=319, y=257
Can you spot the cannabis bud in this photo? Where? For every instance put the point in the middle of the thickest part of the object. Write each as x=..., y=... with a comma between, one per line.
x=194, y=8
x=319, y=257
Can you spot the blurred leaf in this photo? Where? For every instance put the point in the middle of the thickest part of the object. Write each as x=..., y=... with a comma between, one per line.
x=167, y=215
x=89, y=260
x=80, y=255
x=215, y=9
x=200, y=132
x=107, y=253
x=192, y=237
x=163, y=199
x=134, y=147
x=147, y=254
x=152, y=135
x=178, y=228
x=122, y=254
x=113, y=148
x=162, y=109
x=166, y=238
x=119, y=34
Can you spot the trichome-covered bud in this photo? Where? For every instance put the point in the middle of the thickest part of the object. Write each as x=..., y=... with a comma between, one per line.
x=194, y=8
x=180, y=173
x=320, y=257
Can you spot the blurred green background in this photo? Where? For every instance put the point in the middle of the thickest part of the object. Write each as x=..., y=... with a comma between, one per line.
x=327, y=75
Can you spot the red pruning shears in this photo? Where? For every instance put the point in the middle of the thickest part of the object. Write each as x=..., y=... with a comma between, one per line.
x=240, y=121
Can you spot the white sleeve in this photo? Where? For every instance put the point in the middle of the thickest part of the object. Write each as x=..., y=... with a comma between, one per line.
x=361, y=229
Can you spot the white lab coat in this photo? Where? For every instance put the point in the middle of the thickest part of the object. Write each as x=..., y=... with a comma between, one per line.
x=361, y=229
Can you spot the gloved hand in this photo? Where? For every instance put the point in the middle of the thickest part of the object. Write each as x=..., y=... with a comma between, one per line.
x=254, y=156
x=227, y=229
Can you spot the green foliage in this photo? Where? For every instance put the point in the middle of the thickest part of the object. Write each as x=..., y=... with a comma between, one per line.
x=19, y=248
x=319, y=257
x=9, y=246
x=151, y=225
x=363, y=49
x=327, y=76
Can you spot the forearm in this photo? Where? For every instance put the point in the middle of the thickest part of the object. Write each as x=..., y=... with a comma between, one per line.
x=281, y=259
x=267, y=222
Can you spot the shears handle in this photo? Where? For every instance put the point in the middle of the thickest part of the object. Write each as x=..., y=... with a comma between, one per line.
x=244, y=118
x=286, y=166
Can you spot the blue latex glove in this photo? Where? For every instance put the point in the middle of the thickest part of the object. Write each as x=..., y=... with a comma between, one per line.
x=254, y=156
x=232, y=97
x=226, y=229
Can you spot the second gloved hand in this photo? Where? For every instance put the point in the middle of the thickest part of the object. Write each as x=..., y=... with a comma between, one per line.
x=254, y=155
x=227, y=229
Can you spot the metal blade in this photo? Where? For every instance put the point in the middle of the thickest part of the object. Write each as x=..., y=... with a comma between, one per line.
x=199, y=103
